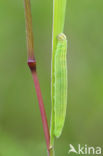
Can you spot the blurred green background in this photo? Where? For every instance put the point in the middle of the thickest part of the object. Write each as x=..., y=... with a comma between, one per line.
x=21, y=132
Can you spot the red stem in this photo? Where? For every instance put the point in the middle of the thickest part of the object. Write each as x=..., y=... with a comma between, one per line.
x=32, y=66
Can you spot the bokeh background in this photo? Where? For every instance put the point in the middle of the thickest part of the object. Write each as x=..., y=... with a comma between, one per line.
x=21, y=132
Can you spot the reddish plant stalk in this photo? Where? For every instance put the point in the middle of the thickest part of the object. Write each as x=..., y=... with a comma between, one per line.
x=32, y=66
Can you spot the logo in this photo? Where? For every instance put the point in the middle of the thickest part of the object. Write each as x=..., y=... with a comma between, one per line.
x=85, y=149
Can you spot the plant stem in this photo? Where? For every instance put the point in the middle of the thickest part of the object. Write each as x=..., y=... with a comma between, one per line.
x=32, y=66
x=41, y=106
x=52, y=153
x=29, y=31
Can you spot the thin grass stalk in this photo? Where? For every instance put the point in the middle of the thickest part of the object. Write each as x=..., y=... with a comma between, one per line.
x=32, y=66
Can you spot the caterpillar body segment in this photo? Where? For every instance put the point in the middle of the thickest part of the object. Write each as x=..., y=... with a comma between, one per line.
x=60, y=84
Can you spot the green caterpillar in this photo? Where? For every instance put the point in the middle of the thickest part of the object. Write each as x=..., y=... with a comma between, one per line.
x=60, y=84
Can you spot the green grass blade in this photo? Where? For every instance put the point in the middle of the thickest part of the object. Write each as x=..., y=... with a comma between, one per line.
x=59, y=7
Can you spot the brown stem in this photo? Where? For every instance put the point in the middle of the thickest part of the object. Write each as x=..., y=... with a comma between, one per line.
x=29, y=31
x=32, y=66
x=52, y=153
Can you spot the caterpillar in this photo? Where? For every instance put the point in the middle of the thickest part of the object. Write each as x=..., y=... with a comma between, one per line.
x=60, y=84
